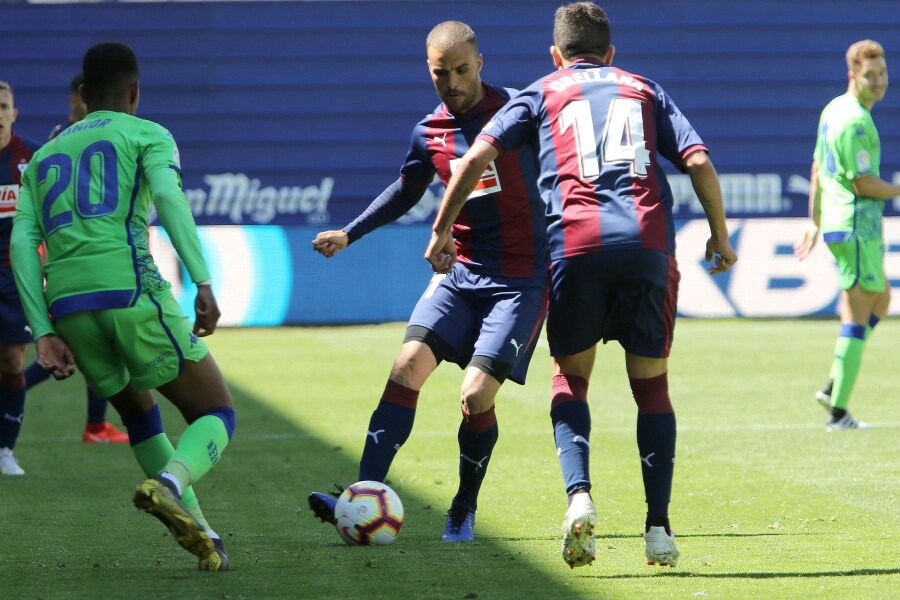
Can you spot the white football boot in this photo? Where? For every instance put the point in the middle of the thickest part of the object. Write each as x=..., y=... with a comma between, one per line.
x=8, y=463
x=661, y=549
x=845, y=422
x=578, y=546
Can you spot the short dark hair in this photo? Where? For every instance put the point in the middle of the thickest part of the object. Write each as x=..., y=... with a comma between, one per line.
x=450, y=33
x=76, y=83
x=108, y=68
x=581, y=28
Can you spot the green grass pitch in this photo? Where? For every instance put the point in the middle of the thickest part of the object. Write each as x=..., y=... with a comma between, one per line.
x=766, y=504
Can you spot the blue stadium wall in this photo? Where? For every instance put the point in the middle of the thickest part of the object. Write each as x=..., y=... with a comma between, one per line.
x=291, y=116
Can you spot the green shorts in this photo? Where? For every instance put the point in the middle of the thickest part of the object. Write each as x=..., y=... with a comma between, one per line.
x=146, y=344
x=860, y=262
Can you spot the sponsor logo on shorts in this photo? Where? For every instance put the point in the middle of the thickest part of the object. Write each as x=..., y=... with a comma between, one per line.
x=193, y=339
x=156, y=361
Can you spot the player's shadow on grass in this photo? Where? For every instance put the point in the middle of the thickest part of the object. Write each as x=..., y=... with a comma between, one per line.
x=763, y=575
x=261, y=491
x=624, y=536
x=740, y=535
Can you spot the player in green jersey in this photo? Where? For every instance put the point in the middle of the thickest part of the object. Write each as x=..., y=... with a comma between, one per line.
x=86, y=195
x=846, y=203
x=97, y=430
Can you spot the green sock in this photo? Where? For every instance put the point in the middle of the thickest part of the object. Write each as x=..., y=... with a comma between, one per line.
x=835, y=365
x=190, y=501
x=152, y=455
x=198, y=450
x=847, y=360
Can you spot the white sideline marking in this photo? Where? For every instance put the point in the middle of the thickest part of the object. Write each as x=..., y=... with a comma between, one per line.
x=775, y=427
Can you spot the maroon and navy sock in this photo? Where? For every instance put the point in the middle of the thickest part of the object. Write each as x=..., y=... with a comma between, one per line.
x=96, y=408
x=12, y=408
x=477, y=437
x=656, y=444
x=389, y=428
x=35, y=374
x=571, y=419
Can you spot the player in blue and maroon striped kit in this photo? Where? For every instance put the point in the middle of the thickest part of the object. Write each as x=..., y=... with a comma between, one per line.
x=600, y=135
x=486, y=313
x=15, y=153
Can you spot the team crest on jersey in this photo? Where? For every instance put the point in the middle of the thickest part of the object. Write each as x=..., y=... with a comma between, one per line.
x=176, y=156
x=863, y=162
x=22, y=166
x=490, y=180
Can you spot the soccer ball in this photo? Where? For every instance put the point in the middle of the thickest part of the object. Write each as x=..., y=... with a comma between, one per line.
x=369, y=512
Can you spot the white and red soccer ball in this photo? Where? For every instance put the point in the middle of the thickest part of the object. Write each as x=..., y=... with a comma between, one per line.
x=369, y=512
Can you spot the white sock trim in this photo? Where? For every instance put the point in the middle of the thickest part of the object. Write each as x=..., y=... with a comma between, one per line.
x=169, y=477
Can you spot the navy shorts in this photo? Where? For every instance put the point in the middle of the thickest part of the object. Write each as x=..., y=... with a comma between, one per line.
x=624, y=295
x=13, y=324
x=474, y=315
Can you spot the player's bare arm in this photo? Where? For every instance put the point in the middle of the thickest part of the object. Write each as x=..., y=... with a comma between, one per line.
x=805, y=244
x=54, y=355
x=329, y=243
x=706, y=185
x=871, y=187
x=206, y=311
x=441, y=251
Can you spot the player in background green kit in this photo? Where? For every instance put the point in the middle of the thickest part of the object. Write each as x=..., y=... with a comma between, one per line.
x=86, y=195
x=846, y=203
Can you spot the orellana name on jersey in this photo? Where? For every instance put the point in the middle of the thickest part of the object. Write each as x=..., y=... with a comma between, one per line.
x=490, y=180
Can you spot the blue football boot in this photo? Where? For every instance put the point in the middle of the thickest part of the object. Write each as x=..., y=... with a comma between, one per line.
x=323, y=504
x=460, y=525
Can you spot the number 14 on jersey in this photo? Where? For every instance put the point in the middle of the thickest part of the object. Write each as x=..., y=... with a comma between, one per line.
x=623, y=137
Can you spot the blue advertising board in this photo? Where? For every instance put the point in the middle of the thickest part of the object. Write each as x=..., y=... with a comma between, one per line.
x=292, y=116
x=299, y=113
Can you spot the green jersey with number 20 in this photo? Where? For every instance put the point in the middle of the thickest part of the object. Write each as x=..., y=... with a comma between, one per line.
x=87, y=194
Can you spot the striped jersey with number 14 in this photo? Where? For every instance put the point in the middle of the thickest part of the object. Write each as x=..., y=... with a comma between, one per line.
x=600, y=133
